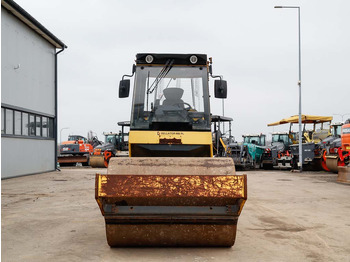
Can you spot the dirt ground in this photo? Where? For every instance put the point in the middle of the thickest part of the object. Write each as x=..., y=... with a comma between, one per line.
x=288, y=217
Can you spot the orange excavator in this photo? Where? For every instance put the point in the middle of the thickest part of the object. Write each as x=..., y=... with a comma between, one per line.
x=76, y=150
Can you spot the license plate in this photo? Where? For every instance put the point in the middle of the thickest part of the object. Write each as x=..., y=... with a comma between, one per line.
x=348, y=148
x=65, y=149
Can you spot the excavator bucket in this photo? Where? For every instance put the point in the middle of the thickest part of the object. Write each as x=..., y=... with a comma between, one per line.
x=171, y=201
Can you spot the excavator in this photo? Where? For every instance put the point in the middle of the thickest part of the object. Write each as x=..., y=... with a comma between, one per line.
x=77, y=149
x=171, y=191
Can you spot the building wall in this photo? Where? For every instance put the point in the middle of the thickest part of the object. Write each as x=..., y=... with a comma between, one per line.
x=32, y=84
x=28, y=86
x=21, y=156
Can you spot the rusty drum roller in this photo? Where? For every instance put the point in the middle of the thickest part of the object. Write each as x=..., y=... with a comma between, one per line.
x=344, y=174
x=332, y=163
x=171, y=201
x=97, y=161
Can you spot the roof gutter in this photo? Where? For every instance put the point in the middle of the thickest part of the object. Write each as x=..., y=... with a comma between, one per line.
x=30, y=21
x=55, y=122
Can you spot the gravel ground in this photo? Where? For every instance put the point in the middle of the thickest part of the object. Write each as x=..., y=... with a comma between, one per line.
x=288, y=217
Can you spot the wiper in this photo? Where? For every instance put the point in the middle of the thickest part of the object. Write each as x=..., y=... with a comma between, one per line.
x=165, y=70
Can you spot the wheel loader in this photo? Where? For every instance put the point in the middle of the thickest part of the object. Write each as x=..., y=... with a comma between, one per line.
x=171, y=191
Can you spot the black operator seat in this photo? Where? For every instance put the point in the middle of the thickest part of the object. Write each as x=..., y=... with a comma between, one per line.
x=173, y=97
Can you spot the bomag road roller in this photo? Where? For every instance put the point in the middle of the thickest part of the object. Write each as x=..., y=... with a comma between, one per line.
x=171, y=191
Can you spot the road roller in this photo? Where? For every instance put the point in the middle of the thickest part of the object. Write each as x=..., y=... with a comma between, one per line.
x=312, y=151
x=338, y=155
x=115, y=145
x=171, y=191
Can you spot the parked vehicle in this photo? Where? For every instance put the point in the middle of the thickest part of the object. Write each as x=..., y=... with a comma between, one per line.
x=338, y=151
x=221, y=139
x=249, y=153
x=280, y=150
x=77, y=149
x=171, y=191
x=116, y=145
x=311, y=150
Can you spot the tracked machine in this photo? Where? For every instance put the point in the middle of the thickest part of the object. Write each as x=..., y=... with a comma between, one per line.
x=171, y=191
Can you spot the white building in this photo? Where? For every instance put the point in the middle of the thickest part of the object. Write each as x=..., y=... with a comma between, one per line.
x=28, y=93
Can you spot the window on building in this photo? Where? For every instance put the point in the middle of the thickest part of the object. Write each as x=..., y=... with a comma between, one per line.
x=25, y=125
x=9, y=121
x=44, y=126
x=21, y=123
x=2, y=120
x=18, y=123
x=31, y=125
x=51, y=127
x=38, y=125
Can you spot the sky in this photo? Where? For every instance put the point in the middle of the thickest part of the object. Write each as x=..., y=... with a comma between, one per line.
x=253, y=45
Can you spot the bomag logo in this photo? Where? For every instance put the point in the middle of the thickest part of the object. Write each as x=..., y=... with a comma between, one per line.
x=170, y=133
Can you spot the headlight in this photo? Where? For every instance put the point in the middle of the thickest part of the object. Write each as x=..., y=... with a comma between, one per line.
x=193, y=59
x=149, y=59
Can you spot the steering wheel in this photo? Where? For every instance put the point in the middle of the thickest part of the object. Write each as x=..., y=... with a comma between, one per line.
x=186, y=104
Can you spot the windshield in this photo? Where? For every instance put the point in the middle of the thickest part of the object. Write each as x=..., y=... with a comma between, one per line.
x=284, y=138
x=336, y=131
x=257, y=140
x=346, y=130
x=110, y=139
x=251, y=139
x=74, y=138
x=175, y=100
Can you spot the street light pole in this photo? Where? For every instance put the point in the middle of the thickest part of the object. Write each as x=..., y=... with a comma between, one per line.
x=299, y=84
x=61, y=133
x=342, y=116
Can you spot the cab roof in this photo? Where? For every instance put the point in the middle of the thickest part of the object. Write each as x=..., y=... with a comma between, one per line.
x=217, y=118
x=250, y=135
x=305, y=119
x=179, y=59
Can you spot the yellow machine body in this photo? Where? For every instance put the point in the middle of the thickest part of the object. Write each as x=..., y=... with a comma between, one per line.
x=169, y=141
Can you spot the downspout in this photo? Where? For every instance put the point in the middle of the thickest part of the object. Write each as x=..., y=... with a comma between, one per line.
x=56, y=106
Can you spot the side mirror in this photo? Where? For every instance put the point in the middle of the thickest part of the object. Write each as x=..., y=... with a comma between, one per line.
x=220, y=88
x=124, y=88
